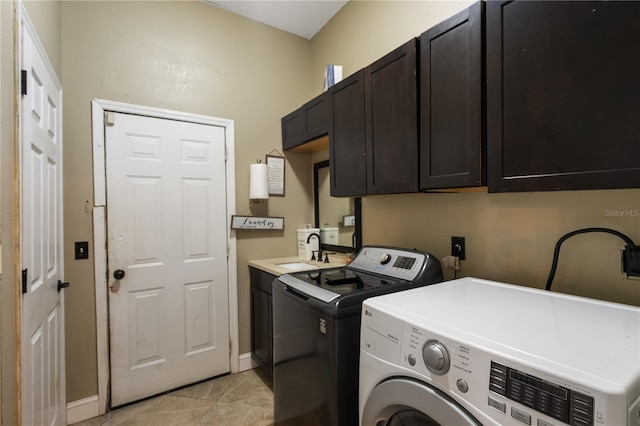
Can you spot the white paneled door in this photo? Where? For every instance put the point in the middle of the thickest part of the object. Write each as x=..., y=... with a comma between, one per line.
x=42, y=328
x=167, y=254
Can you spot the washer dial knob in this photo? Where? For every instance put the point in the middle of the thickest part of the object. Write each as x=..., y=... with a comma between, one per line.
x=384, y=258
x=436, y=357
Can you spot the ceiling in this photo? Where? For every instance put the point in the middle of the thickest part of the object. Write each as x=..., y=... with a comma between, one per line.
x=300, y=17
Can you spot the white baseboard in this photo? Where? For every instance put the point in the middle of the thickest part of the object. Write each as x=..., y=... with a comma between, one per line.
x=82, y=409
x=246, y=362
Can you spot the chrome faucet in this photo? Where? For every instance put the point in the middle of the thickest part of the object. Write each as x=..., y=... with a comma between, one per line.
x=313, y=256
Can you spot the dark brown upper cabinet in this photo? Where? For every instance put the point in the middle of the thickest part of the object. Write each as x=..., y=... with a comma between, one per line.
x=391, y=122
x=307, y=123
x=563, y=95
x=452, y=133
x=347, y=147
x=373, y=140
x=292, y=130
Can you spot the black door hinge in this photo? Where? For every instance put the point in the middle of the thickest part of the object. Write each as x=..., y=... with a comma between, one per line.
x=24, y=281
x=23, y=82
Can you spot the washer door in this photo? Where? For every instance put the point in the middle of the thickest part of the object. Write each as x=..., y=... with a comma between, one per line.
x=403, y=401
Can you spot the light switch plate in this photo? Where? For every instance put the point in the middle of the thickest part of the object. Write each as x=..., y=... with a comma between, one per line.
x=82, y=250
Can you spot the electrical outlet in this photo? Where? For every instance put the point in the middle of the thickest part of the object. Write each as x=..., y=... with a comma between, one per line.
x=457, y=247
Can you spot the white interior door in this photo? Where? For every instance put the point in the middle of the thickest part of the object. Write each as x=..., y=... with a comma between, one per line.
x=167, y=233
x=42, y=348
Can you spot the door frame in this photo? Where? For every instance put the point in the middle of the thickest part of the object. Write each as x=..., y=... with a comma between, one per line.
x=98, y=109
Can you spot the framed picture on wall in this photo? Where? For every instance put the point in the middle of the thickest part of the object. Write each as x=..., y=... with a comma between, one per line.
x=276, y=176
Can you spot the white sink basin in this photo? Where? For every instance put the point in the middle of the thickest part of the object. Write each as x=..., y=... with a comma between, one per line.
x=297, y=266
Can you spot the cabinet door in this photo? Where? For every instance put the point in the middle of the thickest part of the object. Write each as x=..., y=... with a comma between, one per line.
x=262, y=320
x=392, y=122
x=315, y=118
x=348, y=164
x=563, y=95
x=305, y=124
x=261, y=330
x=451, y=102
x=292, y=130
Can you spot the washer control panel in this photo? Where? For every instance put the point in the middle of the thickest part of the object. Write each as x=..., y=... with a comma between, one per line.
x=557, y=401
x=392, y=262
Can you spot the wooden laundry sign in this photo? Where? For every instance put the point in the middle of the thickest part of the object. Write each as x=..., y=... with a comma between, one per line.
x=255, y=222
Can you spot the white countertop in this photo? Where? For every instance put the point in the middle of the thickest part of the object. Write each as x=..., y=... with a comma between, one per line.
x=273, y=266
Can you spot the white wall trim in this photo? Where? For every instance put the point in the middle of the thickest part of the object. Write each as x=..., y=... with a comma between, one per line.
x=98, y=107
x=82, y=409
x=246, y=362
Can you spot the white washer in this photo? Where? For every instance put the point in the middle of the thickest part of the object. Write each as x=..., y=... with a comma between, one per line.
x=471, y=351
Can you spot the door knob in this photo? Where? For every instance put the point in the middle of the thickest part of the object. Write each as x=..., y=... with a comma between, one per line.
x=118, y=274
x=62, y=285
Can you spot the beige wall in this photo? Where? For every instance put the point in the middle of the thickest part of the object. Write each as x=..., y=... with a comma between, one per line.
x=509, y=237
x=45, y=17
x=235, y=69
